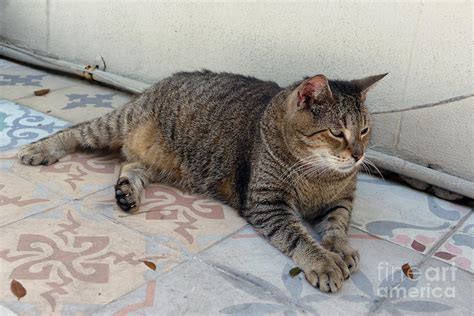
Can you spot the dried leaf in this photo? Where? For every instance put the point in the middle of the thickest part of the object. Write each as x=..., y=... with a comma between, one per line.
x=41, y=92
x=295, y=271
x=150, y=265
x=17, y=289
x=407, y=270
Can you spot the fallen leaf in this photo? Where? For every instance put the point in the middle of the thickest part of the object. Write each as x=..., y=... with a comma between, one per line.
x=295, y=271
x=150, y=265
x=407, y=270
x=41, y=92
x=17, y=289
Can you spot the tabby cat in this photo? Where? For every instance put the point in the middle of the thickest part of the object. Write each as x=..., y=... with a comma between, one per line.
x=278, y=155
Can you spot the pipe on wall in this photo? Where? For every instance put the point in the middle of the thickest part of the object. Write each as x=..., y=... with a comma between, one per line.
x=428, y=175
x=89, y=73
x=384, y=161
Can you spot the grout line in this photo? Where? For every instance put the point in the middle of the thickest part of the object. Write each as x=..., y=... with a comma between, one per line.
x=440, y=242
x=413, y=45
x=378, y=303
x=428, y=105
x=186, y=258
x=222, y=239
x=160, y=276
x=40, y=212
x=399, y=131
x=48, y=25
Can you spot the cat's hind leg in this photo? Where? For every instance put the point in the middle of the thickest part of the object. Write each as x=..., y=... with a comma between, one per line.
x=133, y=179
x=98, y=134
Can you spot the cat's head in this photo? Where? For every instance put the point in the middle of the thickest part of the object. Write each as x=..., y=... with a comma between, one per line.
x=327, y=125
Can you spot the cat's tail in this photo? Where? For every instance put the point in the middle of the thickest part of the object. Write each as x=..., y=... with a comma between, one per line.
x=103, y=133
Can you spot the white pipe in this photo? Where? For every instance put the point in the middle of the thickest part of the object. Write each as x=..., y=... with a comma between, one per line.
x=120, y=82
x=428, y=175
x=391, y=163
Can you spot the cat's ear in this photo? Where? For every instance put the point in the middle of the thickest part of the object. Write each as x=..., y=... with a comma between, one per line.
x=365, y=84
x=313, y=89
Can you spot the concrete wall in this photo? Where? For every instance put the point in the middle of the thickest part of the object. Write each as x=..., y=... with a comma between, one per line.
x=426, y=46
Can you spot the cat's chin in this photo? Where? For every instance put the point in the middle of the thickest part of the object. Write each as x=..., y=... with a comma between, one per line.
x=346, y=169
x=350, y=167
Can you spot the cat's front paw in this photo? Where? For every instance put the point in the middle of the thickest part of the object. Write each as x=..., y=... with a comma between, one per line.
x=325, y=270
x=342, y=247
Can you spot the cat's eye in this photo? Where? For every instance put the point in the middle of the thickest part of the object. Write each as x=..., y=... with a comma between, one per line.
x=364, y=131
x=311, y=134
x=337, y=134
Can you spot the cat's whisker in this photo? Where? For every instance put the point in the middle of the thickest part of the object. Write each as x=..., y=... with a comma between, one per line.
x=301, y=162
x=293, y=167
x=318, y=170
x=315, y=166
x=372, y=165
x=299, y=166
x=365, y=168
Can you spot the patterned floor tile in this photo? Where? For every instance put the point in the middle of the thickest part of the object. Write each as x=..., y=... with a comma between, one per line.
x=459, y=248
x=20, y=198
x=7, y=159
x=20, y=125
x=86, y=256
x=436, y=289
x=4, y=64
x=79, y=103
x=188, y=223
x=18, y=81
x=407, y=217
x=74, y=176
x=251, y=277
x=74, y=261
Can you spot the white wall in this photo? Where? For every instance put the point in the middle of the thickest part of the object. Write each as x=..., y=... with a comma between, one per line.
x=426, y=46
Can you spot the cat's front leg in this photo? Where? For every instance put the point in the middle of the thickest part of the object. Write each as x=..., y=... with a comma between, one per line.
x=284, y=229
x=333, y=230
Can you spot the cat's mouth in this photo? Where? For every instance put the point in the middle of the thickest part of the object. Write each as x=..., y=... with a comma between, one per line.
x=345, y=166
x=325, y=165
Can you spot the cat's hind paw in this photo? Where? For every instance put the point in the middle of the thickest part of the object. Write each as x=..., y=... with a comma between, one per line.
x=33, y=154
x=125, y=195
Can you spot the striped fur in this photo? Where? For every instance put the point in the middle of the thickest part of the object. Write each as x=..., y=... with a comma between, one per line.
x=278, y=155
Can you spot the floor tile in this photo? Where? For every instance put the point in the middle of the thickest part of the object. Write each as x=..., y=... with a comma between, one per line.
x=18, y=81
x=79, y=103
x=75, y=175
x=436, y=289
x=7, y=159
x=405, y=216
x=252, y=255
x=459, y=248
x=195, y=288
x=244, y=274
x=4, y=64
x=188, y=223
x=20, y=198
x=76, y=253
x=70, y=260
x=6, y=312
x=20, y=125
